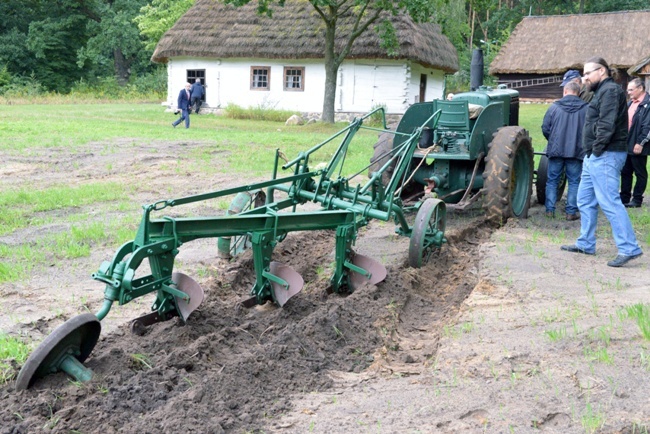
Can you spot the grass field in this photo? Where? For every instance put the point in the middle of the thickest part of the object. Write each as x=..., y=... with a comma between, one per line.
x=250, y=151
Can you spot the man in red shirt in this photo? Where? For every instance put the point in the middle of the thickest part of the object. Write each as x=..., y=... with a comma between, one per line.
x=638, y=113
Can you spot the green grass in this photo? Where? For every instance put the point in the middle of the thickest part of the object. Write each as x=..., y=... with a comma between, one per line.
x=640, y=313
x=21, y=207
x=11, y=349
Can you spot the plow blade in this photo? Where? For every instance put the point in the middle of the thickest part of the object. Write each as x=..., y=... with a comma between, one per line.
x=190, y=287
x=375, y=271
x=294, y=282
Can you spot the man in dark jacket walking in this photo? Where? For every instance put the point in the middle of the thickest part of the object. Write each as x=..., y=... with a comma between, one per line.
x=605, y=145
x=197, y=93
x=183, y=104
x=562, y=127
x=639, y=126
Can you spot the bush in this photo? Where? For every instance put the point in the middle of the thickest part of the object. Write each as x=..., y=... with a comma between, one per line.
x=260, y=112
x=22, y=87
x=146, y=88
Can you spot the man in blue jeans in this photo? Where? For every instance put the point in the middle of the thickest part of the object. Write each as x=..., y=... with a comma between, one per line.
x=183, y=104
x=605, y=145
x=562, y=127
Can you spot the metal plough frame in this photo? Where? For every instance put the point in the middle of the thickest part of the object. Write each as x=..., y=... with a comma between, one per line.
x=343, y=208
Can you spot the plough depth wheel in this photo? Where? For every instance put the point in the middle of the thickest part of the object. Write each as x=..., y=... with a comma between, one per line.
x=65, y=349
x=428, y=231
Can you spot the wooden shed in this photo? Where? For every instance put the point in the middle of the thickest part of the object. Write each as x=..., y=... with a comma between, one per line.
x=641, y=69
x=542, y=48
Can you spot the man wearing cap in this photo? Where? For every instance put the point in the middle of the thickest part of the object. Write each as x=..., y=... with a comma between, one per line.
x=562, y=127
x=572, y=75
x=638, y=112
x=604, y=141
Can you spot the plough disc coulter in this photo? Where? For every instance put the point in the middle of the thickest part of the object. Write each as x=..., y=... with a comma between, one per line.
x=257, y=222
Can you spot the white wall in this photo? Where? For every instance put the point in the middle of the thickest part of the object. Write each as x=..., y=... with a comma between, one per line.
x=361, y=84
x=435, y=83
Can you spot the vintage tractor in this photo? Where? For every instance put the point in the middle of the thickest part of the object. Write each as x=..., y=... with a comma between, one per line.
x=437, y=145
x=475, y=149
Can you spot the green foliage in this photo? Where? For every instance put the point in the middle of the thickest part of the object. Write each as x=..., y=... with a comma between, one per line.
x=14, y=86
x=5, y=77
x=158, y=17
x=64, y=42
x=115, y=41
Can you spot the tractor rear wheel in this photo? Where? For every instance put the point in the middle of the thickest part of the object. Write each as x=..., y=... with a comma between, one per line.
x=381, y=154
x=508, y=174
x=412, y=191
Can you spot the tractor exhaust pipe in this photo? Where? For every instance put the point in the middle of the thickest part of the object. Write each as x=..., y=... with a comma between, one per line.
x=476, y=69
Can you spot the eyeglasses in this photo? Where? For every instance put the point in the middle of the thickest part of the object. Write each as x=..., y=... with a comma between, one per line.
x=593, y=70
x=633, y=89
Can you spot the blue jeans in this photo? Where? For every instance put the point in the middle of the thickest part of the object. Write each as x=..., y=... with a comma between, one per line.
x=599, y=187
x=185, y=116
x=556, y=166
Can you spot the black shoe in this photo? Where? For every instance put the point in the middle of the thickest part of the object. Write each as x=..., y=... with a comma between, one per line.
x=621, y=260
x=632, y=205
x=575, y=249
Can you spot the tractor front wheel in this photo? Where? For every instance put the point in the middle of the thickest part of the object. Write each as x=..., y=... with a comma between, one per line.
x=542, y=179
x=508, y=174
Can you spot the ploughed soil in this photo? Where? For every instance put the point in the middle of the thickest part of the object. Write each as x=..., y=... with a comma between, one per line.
x=500, y=331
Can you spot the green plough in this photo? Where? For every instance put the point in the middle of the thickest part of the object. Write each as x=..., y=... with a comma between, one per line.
x=258, y=222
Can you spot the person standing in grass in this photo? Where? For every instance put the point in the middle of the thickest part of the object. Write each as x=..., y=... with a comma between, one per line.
x=638, y=113
x=183, y=105
x=562, y=127
x=604, y=141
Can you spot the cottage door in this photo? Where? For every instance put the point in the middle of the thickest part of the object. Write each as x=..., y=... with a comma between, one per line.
x=423, y=87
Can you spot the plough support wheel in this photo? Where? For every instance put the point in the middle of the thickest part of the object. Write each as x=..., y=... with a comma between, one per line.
x=65, y=349
x=428, y=231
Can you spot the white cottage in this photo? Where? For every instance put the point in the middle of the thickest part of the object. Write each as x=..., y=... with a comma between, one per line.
x=252, y=60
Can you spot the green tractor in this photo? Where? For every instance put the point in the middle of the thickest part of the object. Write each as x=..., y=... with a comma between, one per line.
x=474, y=148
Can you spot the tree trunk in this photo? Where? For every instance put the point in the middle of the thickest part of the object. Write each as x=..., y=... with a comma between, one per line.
x=331, y=70
x=122, y=67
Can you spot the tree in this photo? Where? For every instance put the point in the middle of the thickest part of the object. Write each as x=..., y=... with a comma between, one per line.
x=348, y=19
x=158, y=17
x=115, y=39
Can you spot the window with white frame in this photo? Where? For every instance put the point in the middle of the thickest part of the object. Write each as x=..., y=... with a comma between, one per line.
x=294, y=78
x=260, y=77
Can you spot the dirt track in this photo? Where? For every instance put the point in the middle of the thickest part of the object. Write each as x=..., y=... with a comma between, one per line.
x=500, y=332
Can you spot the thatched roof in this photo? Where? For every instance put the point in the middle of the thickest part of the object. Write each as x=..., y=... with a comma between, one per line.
x=213, y=29
x=554, y=44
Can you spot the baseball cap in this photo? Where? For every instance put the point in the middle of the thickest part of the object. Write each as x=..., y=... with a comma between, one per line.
x=569, y=76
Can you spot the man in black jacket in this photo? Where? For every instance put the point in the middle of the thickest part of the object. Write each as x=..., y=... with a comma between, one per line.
x=605, y=145
x=197, y=92
x=562, y=127
x=637, y=158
